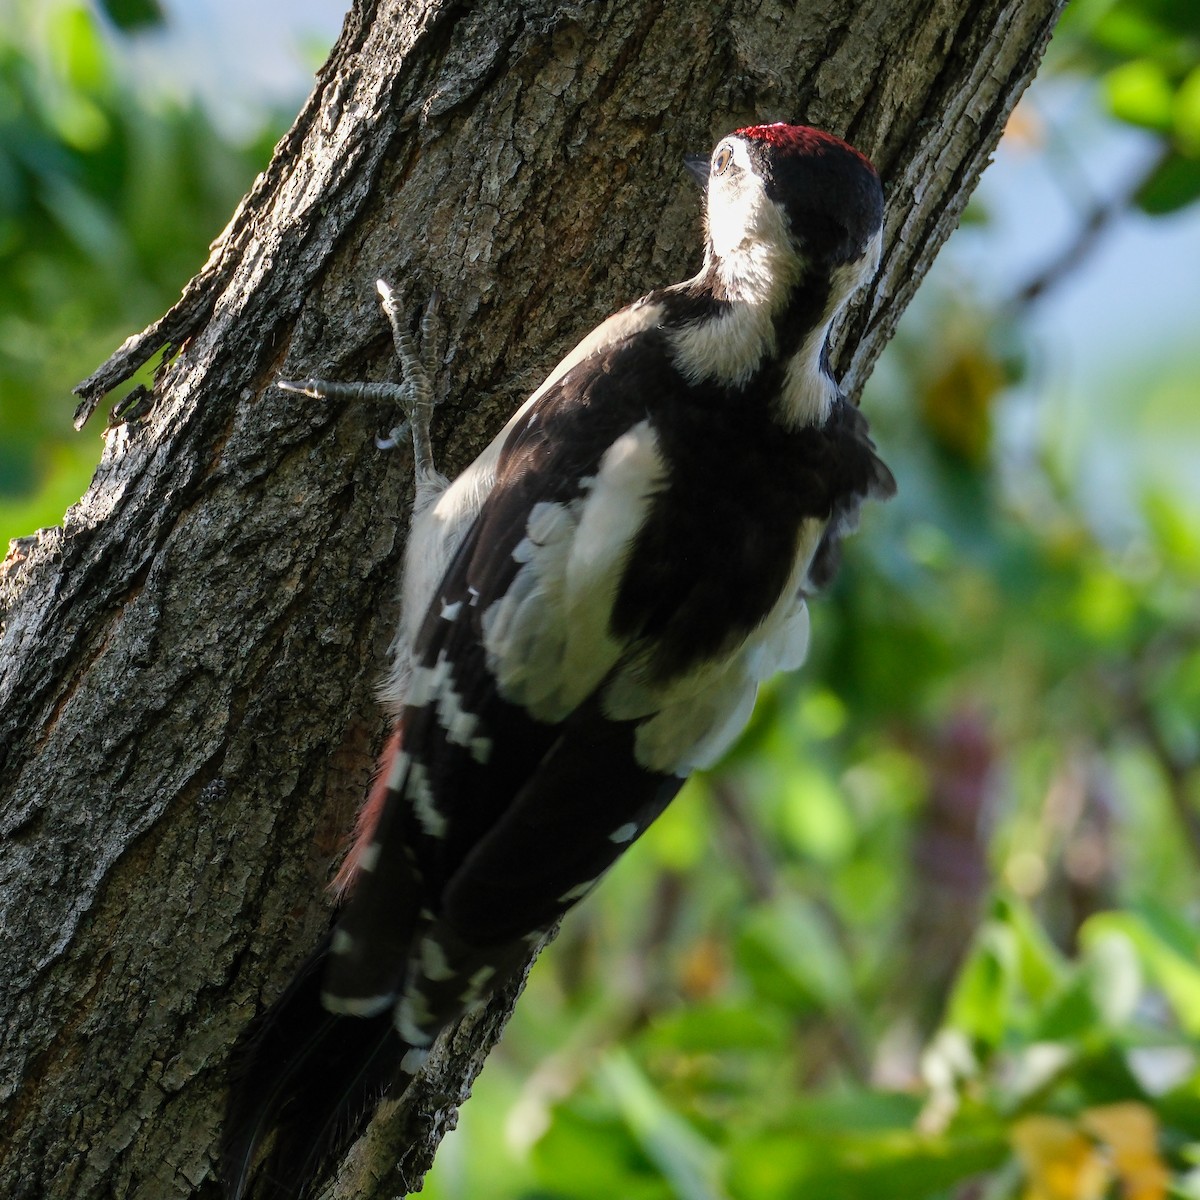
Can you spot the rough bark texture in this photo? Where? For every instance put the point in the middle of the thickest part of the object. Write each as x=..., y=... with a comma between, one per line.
x=187, y=719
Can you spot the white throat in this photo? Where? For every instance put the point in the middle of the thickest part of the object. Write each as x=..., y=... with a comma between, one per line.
x=751, y=254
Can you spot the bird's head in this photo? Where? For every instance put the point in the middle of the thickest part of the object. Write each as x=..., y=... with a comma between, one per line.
x=787, y=201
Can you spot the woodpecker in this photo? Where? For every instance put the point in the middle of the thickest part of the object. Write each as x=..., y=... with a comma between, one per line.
x=587, y=614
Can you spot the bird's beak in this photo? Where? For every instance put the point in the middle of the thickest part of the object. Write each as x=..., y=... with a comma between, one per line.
x=697, y=166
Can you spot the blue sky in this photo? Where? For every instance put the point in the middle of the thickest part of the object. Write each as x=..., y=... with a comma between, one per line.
x=1119, y=338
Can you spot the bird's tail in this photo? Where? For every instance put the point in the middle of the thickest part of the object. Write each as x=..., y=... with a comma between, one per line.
x=309, y=1077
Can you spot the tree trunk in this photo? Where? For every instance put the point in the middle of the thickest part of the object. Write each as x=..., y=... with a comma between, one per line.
x=187, y=721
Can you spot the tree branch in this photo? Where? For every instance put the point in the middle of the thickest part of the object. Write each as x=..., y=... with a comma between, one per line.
x=1094, y=224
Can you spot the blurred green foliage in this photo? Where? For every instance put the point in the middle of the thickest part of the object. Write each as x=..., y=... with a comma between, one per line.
x=1147, y=56
x=932, y=931
x=108, y=200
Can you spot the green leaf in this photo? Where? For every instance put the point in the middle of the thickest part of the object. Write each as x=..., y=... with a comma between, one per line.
x=68, y=471
x=1176, y=535
x=77, y=47
x=593, y=1157
x=1187, y=113
x=1140, y=93
x=1102, y=994
x=713, y=1028
x=854, y=1110
x=1113, y=975
x=1172, y=16
x=1105, y=605
x=1127, y=33
x=1173, y=186
x=1181, y=1106
x=814, y=817
x=129, y=15
x=678, y=838
x=1169, y=949
x=1147, y=26
x=897, y=1163
x=791, y=952
x=1072, y=1017
x=1042, y=968
x=1015, y=980
x=685, y=1159
x=981, y=1004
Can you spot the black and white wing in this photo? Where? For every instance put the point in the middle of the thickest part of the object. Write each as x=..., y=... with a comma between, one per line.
x=514, y=790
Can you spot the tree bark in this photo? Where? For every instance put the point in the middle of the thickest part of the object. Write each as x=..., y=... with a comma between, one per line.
x=187, y=721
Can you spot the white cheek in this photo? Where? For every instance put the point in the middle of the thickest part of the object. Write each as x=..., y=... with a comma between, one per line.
x=849, y=278
x=750, y=240
x=733, y=206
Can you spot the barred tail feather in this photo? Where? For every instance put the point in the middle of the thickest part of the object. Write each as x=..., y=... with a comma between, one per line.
x=308, y=1078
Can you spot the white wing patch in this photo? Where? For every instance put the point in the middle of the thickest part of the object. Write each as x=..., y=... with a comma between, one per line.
x=435, y=533
x=547, y=639
x=414, y=1059
x=434, y=964
x=419, y=790
x=397, y=771
x=366, y=1006
x=630, y=473
x=524, y=632
x=368, y=860
x=412, y=1018
x=437, y=530
x=699, y=718
x=689, y=723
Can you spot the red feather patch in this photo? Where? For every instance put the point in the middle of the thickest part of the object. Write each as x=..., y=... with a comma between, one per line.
x=800, y=139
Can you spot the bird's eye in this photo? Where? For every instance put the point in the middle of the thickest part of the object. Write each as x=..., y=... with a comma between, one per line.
x=721, y=160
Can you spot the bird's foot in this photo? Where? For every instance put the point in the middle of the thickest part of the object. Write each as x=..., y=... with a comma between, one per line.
x=413, y=396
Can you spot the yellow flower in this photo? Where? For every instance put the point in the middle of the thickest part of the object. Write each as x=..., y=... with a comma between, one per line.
x=1078, y=1160
x=1130, y=1131
x=1060, y=1162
